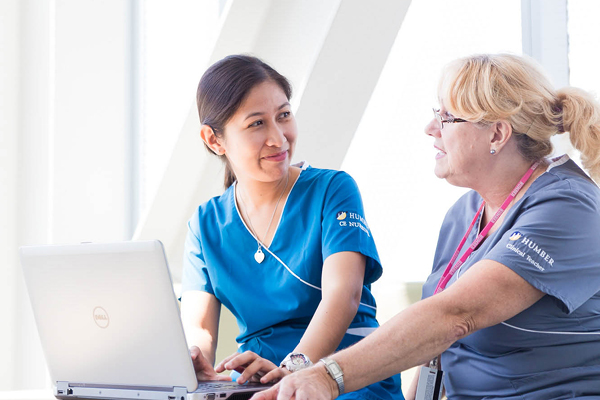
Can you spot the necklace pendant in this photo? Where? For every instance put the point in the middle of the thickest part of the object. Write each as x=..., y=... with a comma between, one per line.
x=259, y=256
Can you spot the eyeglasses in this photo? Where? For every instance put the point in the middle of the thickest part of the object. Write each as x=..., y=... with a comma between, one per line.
x=450, y=120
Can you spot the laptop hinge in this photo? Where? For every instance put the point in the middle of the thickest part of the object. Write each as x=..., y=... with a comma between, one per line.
x=67, y=390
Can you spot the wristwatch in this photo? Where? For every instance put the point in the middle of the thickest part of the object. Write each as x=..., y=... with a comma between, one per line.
x=334, y=370
x=295, y=362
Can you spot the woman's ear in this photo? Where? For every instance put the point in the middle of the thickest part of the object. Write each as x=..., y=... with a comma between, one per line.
x=501, y=134
x=212, y=141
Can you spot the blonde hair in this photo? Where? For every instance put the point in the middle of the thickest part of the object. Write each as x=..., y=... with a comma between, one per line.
x=488, y=88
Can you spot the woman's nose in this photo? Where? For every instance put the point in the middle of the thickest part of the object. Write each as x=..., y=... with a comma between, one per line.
x=276, y=136
x=433, y=128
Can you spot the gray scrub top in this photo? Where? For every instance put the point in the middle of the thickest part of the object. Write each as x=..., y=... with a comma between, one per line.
x=551, y=238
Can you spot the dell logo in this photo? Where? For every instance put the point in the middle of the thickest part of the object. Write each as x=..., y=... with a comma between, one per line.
x=101, y=317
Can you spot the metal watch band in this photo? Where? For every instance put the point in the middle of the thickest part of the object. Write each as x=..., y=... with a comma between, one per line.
x=336, y=373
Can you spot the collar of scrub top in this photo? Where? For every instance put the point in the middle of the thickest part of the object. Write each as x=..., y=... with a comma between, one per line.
x=452, y=268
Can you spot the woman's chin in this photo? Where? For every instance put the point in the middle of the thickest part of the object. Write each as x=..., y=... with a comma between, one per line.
x=450, y=178
x=440, y=172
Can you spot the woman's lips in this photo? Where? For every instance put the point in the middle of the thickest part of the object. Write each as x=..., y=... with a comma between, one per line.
x=277, y=157
x=441, y=153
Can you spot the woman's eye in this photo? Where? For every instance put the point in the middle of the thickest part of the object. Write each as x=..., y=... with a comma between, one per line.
x=448, y=117
x=285, y=114
x=256, y=123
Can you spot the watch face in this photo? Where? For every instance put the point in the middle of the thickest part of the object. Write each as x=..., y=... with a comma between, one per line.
x=297, y=359
x=334, y=369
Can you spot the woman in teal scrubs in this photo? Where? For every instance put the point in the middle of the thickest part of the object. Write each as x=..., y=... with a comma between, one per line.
x=286, y=248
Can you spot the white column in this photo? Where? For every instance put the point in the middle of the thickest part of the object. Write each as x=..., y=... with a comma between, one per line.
x=73, y=140
x=546, y=39
x=9, y=125
x=346, y=70
x=34, y=172
x=91, y=121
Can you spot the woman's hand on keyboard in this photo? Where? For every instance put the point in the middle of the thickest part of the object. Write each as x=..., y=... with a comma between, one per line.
x=204, y=370
x=252, y=368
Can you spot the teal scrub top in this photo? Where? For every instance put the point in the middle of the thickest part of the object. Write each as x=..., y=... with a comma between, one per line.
x=275, y=300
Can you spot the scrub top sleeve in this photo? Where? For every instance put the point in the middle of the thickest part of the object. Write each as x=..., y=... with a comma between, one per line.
x=344, y=227
x=554, y=245
x=195, y=273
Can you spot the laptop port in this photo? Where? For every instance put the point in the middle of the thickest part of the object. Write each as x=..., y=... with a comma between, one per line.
x=210, y=396
x=69, y=391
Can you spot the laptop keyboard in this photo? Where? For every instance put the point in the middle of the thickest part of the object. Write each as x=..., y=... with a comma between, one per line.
x=219, y=386
x=226, y=386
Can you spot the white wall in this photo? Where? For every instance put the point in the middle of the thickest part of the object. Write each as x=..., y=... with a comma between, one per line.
x=66, y=130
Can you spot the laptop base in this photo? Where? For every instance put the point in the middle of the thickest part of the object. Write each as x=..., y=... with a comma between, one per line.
x=66, y=390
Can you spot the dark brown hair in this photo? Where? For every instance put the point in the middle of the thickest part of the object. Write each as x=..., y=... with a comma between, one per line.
x=223, y=88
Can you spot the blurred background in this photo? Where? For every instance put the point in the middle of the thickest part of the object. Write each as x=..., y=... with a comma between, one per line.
x=99, y=132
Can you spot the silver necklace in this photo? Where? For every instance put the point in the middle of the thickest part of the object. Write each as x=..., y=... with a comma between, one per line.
x=259, y=256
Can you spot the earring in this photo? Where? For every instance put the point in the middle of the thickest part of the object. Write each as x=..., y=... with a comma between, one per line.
x=492, y=151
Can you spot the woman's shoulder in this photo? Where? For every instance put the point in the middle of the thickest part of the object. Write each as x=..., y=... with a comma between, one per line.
x=564, y=178
x=216, y=206
x=322, y=177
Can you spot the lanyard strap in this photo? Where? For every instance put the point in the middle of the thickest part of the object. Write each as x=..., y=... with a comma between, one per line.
x=452, y=268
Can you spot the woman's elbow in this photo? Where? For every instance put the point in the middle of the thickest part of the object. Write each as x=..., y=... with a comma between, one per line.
x=346, y=301
x=355, y=298
x=462, y=326
x=354, y=302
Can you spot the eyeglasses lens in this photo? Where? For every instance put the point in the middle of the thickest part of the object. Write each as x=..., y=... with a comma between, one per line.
x=438, y=118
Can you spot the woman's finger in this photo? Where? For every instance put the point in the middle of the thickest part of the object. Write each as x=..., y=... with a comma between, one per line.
x=220, y=367
x=242, y=360
x=222, y=378
x=257, y=369
x=246, y=357
x=274, y=375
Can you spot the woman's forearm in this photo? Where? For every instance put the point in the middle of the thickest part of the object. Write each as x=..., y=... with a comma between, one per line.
x=200, y=313
x=204, y=341
x=411, y=338
x=429, y=327
x=342, y=282
x=327, y=327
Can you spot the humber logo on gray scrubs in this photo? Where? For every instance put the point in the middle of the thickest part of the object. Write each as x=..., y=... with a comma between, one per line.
x=525, y=244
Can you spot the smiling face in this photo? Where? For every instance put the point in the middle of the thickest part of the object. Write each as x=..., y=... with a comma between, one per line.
x=462, y=150
x=260, y=137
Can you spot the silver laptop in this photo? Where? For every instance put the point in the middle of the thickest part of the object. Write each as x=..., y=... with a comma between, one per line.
x=109, y=324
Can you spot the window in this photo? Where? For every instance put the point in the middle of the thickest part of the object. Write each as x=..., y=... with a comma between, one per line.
x=175, y=40
x=405, y=206
x=584, y=34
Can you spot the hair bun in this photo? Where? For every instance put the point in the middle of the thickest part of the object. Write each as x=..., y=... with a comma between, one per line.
x=558, y=111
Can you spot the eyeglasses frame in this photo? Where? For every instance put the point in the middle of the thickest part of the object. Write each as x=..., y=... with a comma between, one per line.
x=440, y=120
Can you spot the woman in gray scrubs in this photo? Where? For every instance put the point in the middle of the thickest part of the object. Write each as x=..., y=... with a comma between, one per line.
x=513, y=301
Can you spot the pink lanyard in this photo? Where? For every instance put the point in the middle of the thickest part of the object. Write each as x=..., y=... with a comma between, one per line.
x=451, y=269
